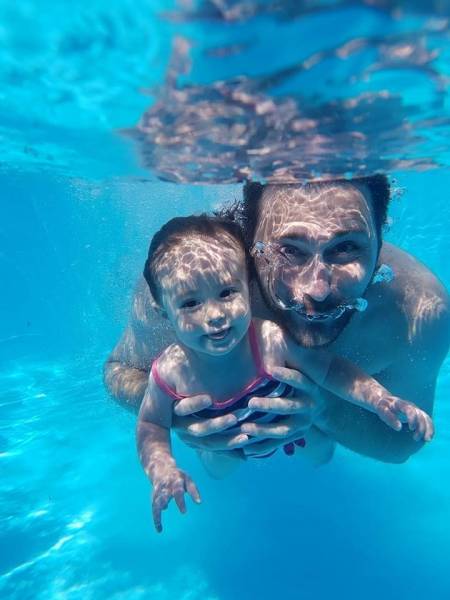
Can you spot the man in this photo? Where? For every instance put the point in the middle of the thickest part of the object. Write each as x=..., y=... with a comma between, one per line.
x=317, y=251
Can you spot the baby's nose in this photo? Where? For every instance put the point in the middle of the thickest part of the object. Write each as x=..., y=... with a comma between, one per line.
x=215, y=314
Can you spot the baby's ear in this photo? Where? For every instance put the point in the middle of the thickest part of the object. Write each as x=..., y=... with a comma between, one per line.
x=159, y=310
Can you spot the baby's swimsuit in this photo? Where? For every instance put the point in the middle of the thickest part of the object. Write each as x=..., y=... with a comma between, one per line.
x=263, y=385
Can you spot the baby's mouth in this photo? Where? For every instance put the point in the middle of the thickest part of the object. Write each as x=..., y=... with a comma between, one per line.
x=219, y=335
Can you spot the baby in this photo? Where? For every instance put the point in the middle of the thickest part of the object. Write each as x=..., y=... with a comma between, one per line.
x=197, y=272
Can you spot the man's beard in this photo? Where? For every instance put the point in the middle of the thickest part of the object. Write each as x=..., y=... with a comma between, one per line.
x=309, y=334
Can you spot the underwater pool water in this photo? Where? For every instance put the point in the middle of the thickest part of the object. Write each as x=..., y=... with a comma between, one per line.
x=79, y=210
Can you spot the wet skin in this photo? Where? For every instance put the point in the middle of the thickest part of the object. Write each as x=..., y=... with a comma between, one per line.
x=401, y=339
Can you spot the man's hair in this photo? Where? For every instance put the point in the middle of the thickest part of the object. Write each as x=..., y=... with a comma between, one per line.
x=176, y=230
x=379, y=197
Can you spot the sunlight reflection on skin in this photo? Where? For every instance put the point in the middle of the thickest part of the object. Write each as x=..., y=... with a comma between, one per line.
x=429, y=307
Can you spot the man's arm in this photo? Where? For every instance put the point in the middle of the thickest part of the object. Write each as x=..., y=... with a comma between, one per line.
x=127, y=368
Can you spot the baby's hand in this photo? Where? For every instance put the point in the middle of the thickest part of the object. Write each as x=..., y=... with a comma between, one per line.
x=167, y=484
x=395, y=411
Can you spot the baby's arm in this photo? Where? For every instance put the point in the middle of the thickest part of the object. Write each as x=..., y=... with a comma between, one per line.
x=346, y=380
x=154, y=449
x=351, y=383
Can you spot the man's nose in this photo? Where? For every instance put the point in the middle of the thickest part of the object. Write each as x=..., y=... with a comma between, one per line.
x=318, y=283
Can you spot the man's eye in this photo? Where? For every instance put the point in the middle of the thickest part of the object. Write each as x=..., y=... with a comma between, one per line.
x=228, y=292
x=190, y=304
x=292, y=252
x=345, y=248
x=344, y=252
x=289, y=249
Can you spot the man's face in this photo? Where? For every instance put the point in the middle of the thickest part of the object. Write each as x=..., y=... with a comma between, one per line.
x=326, y=242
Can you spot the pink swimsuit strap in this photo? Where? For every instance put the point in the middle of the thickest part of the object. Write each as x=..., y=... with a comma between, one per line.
x=261, y=376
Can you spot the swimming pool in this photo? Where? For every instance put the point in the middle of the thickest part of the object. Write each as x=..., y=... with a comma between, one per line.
x=79, y=208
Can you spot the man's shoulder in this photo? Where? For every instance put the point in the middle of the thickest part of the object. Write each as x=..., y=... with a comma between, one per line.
x=415, y=291
x=413, y=281
x=147, y=328
x=142, y=312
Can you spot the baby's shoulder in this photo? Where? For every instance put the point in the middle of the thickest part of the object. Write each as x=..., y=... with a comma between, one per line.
x=271, y=337
x=171, y=364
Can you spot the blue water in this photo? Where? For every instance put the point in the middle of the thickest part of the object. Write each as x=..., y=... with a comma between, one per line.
x=75, y=516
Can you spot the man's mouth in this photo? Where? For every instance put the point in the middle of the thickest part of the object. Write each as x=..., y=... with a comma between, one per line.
x=321, y=317
x=318, y=317
x=219, y=335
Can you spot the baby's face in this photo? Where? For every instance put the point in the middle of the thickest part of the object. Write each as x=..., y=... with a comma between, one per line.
x=204, y=291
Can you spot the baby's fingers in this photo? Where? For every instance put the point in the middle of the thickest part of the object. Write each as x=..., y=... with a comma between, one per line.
x=418, y=420
x=187, y=486
x=178, y=495
x=429, y=428
x=424, y=428
x=159, y=503
x=192, y=490
x=388, y=416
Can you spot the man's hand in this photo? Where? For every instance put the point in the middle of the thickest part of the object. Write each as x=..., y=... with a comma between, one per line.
x=298, y=412
x=394, y=411
x=205, y=434
x=167, y=484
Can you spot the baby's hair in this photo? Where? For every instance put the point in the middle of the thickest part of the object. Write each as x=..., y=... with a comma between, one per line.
x=176, y=230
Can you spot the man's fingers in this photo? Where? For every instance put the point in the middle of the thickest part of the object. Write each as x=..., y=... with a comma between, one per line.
x=209, y=426
x=280, y=406
x=266, y=446
x=281, y=429
x=293, y=378
x=223, y=442
x=192, y=404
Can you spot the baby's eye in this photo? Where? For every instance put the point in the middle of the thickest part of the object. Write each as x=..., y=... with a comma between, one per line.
x=190, y=303
x=227, y=292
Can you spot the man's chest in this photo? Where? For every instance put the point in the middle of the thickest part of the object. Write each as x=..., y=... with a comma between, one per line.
x=372, y=342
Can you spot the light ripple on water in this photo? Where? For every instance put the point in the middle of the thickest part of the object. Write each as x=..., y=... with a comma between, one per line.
x=355, y=87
